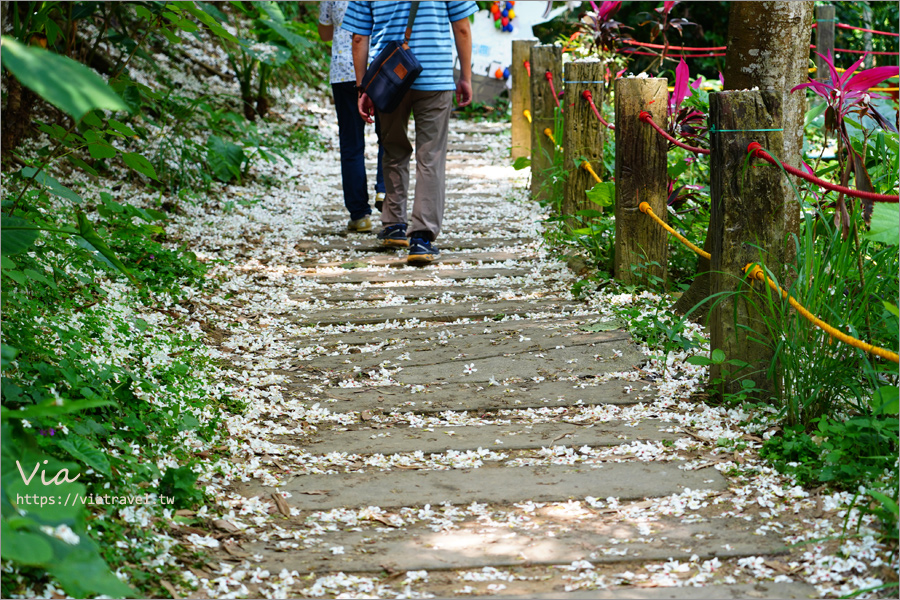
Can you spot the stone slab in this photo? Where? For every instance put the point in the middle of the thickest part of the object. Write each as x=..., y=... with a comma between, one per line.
x=364, y=244
x=411, y=353
x=477, y=309
x=491, y=484
x=541, y=326
x=421, y=274
x=474, y=545
x=494, y=437
x=399, y=261
x=467, y=147
x=479, y=399
x=419, y=292
x=548, y=364
x=763, y=589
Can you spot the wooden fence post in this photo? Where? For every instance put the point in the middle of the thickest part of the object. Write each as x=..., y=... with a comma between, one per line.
x=752, y=214
x=824, y=40
x=520, y=98
x=583, y=134
x=640, y=177
x=543, y=105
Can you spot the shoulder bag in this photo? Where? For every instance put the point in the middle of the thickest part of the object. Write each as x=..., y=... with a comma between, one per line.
x=393, y=71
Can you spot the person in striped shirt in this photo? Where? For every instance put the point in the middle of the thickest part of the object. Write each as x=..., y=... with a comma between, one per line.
x=429, y=101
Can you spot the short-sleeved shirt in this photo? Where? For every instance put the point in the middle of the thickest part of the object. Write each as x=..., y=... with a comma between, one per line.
x=332, y=13
x=431, y=40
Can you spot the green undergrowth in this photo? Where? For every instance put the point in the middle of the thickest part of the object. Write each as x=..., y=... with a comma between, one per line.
x=110, y=408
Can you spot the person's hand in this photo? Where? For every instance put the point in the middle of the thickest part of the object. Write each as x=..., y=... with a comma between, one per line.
x=366, y=108
x=463, y=93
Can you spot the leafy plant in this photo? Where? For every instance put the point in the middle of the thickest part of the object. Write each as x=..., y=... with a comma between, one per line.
x=848, y=94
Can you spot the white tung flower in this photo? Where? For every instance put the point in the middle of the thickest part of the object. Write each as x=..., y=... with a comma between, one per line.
x=469, y=369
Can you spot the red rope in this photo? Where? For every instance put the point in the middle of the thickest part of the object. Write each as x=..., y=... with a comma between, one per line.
x=639, y=53
x=865, y=52
x=549, y=77
x=527, y=67
x=586, y=94
x=813, y=46
x=647, y=118
x=845, y=26
x=676, y=48
x=756, y=149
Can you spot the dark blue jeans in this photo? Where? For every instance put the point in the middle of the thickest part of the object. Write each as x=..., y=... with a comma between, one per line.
x=351, y=135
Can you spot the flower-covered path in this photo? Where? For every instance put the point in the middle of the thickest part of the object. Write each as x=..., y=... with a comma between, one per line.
x=467, y=428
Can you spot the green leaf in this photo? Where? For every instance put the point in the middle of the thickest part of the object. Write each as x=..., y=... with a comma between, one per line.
x=85, y=452
x=66, y=84
x=122, y=128
x=891, y=308
x=85, y=574
x=717, y=356
x=7, y=263
x=18, y=235
x=885, y=225
x=523, y=162
x=51, y=409
x=225, y=158
x=139, y=164
x=36, y=276
x=101, y=150
x=604, y=326
x=603, y=194
x=53, y=186
x=294, y=40
x=886, y=400
x=886, y=501
x=86, y=230
x=700, y=361
x=25, y=548
x=17, y=276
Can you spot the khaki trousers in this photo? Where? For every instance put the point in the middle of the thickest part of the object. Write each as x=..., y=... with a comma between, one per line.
x=432, y=119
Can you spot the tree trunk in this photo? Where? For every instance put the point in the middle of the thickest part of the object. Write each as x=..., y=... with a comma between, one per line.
x=768, y=48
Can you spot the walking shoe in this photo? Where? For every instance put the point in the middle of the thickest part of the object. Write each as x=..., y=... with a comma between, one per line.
x=394, y=235
x=379, y=201
x=363, y=225
x=421, y=251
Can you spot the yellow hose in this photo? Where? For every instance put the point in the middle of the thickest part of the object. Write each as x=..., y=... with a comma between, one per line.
x=757, y=273
x=587, y=167
x=645, y=208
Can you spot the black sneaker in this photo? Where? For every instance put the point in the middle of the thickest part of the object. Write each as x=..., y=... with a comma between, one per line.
x=394, y=235
x=421, y=251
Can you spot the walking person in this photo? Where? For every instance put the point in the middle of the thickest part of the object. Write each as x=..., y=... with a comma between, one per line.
x=351, y=129
x=429, y=101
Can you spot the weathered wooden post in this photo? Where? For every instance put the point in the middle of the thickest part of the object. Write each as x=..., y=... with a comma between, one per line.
x=824, y=40
x=521, y=98
x=583, y=135
x=640, y=177
x=543, y=59
x=753, y=212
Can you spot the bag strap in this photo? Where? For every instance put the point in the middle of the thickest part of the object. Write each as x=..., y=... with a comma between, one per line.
x=413, y=9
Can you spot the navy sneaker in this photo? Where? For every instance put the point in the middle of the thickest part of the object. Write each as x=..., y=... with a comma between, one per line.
x=394, y=235
x=421, y=251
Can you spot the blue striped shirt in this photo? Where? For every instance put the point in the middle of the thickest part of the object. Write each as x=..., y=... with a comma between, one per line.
x=431, y=40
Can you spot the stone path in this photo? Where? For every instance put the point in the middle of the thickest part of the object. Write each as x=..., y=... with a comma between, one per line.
x=467, y=428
